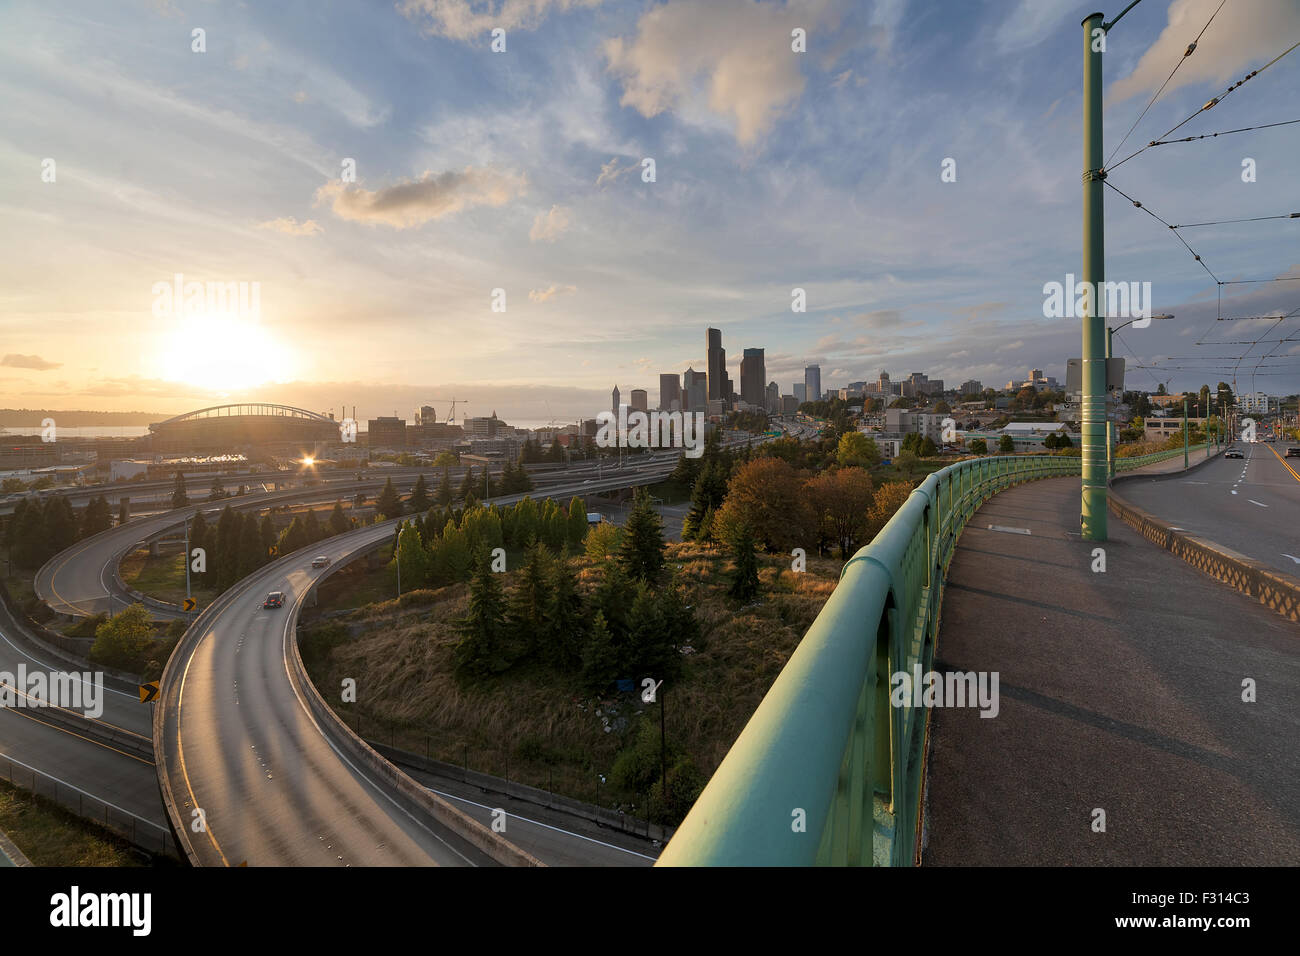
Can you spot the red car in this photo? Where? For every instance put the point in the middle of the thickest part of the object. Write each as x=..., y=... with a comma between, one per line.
x=274, y=599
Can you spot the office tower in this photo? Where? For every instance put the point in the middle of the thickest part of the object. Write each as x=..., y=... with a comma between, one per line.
x=615, y=399
x=971, y=387
x=800, y=392
x=753, y=375
x=774, y=398
x=426, y=415
x=640, y=400
x=812, y=383
x=696, y=396
x=717, y=364
x=670, y=393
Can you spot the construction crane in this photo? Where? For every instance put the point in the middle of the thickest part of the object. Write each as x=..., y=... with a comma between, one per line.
x=451, y=416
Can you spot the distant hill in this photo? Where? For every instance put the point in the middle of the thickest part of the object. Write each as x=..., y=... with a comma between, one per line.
x=75, y=417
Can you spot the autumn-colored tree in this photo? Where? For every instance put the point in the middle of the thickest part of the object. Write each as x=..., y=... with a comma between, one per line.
x=768, y=495
x=889, y=498
x=843, y=500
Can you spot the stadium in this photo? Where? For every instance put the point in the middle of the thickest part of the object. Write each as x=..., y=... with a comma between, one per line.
x=229, y=428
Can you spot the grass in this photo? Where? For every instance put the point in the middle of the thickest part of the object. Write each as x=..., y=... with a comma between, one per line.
x=50, y=835
x=162, y=577
x=543, y=729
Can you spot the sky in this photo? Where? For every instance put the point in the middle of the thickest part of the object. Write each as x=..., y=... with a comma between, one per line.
x=379, y=171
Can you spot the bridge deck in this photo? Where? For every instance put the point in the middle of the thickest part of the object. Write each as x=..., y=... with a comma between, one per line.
x=1120, y=691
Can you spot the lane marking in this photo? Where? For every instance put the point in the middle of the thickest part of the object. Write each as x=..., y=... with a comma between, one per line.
x=70, y=733
x=56, y=670
x=1254, y=502
x=87, y=793
x=538, y=823
x=1294, y=474
x=1291, y=556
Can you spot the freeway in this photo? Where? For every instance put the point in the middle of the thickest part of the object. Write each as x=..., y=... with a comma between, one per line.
x=1249, y=505
x=236, y=737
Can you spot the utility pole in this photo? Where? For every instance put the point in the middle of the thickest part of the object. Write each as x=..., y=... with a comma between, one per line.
x=1184, y=430
x=663, y=750
x=1093, y=410
x=187, y=559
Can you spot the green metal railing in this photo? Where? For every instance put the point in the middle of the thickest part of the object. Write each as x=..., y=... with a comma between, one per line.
x=1137, y=461
x=826, y=772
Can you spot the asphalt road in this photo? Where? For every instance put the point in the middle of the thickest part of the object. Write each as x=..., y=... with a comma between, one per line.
x=1250, y=505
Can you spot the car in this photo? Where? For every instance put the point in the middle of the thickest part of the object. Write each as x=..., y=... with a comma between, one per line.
x=1233, y=453
x=1293, y=451
x=274, y=599
x=320, y=561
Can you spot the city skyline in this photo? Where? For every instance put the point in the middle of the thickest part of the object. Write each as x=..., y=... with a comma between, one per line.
x=379, y=291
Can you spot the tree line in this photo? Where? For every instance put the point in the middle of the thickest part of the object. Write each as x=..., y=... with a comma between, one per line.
x=38, y=530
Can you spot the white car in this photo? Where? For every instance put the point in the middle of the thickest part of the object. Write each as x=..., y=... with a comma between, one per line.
x=320, y=561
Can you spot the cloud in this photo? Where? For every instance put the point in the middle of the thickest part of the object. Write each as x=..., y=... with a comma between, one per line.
x=1247, y=33
x=300, y=97
x=432, y=196
x=611, y=171
x=14, y=360
x=466, y=19
x=548, y=226
x=292, y=227
x=740, y=49
x=552, y=292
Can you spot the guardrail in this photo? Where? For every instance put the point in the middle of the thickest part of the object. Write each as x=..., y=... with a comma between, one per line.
x=826, y=772
x=1137, y=461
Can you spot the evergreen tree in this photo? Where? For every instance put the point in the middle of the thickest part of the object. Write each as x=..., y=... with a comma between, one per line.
x=451, y=556
x=555, y=454
x=577, y=522
x=412, y=559
x=218, y=490
x=599, y=655
x=467, y=485
x=444, y=489
x=225, y=559
x=613, y=598
x=642, y=551
x=294, y=537
x=419, y=500
x=526, y=524
x=266, y=537
x=250, y=547
x=565, y=632
x=96, y=518
x=528, y=602
x=60, y=525
x=389, y=505
x=311, y=527
x=29, y=547
x=179, y=498
x=338, y=522
x=744, y=578
x=481, y=650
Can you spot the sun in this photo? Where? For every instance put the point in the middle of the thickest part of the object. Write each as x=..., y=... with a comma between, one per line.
x=221, y=352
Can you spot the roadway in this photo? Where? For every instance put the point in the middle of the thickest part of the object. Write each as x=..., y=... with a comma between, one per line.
x=1249, y=505
x=236, y=737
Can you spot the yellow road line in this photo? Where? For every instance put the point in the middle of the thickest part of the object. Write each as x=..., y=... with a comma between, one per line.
x=1283, y=461
x=21, y=713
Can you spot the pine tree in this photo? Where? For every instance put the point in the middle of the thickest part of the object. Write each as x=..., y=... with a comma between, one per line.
x=311, y=525
x=389, y=505
x=250, y=547
x=29, y=547
x=599, y=655
x=225, y=559
x=577, y=522
x=613, y=598
x=744, y=578
x=419, y=500
x=266, y=537
x=179, y=498
x=338, y=522
x=642, y=551
x=565, y=632
x=412, y=558
x=528, y=602
x=217, y=491
x=444, y=489
x=467, y=485
x=481, y=649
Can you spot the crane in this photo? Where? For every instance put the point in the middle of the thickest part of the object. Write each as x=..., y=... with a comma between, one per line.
x=451, y=416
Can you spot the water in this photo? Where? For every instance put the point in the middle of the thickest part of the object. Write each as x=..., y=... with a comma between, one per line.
x=84, y=431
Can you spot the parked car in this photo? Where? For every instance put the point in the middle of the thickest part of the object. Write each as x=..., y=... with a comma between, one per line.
x=1293, y=451
x=274, y=599
x=1233, y=453
x=320, y=561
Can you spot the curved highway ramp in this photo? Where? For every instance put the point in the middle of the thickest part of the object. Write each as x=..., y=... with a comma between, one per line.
x=256, y=770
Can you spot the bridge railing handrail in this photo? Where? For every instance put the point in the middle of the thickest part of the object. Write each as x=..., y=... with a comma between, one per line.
x=826, y=771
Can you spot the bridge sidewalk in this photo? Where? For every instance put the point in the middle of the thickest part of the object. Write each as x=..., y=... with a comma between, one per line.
x=1120, y=691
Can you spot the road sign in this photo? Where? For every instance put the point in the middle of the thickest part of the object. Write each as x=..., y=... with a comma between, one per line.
x=148, y=692
x=270, y=552
x=188, y=604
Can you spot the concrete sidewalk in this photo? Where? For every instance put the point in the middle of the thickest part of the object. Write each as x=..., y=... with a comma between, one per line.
x=1119, y=691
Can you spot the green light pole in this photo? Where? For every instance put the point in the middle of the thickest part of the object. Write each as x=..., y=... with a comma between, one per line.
x=1093, y=402
x=1184, y=430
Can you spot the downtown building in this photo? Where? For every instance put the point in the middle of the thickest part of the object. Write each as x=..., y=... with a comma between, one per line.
x=753, y=378
x=670, y=393
x=812, y=383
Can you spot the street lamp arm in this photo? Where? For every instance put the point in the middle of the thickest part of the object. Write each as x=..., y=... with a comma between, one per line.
x=1107, y=26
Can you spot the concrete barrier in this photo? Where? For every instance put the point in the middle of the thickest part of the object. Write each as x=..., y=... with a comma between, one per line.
x=1277, y=591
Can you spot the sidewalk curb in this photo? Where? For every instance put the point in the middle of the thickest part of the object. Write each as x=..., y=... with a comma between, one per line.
x=1277, y=591
x=10, y=849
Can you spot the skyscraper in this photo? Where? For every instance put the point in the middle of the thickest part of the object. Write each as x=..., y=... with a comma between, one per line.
x=696, y=391
x=717, y=364
x=640, y=400
x=812, y=383
x=670, y=393
x=800, y=392
x=753, y=378
x=615, y=399
x=774, y=398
